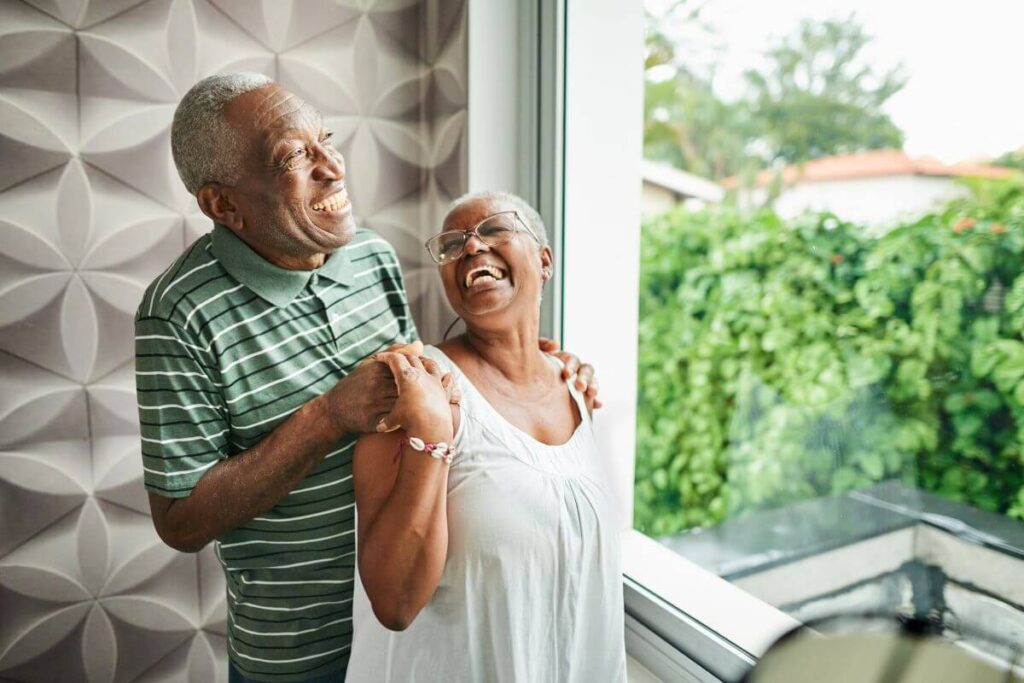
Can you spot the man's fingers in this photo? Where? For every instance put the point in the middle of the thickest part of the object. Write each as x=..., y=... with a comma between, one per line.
x=584, y=377
x=570, y=362
x=548, y=345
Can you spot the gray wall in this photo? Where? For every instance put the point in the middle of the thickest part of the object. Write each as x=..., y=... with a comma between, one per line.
x=91, y=209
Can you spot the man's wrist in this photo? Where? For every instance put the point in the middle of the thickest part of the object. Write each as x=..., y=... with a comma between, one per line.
x=322, y=418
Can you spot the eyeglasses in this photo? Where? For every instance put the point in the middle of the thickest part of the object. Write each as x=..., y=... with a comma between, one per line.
x=495, y=230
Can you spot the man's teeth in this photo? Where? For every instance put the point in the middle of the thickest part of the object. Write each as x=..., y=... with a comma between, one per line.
x=483, y=274
x=333, y=203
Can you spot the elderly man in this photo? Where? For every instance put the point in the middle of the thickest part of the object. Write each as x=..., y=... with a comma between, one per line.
x=251, y=383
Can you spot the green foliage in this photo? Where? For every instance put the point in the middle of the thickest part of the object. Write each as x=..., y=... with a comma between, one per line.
x=781, y=361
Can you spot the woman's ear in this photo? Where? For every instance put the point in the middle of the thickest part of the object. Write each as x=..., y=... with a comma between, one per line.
x=216, y=202
x=546, y=263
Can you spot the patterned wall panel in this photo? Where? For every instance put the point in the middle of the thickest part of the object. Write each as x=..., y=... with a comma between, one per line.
x=91, y=210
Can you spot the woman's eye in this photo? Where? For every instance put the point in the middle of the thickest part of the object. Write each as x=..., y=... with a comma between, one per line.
x=326, y=137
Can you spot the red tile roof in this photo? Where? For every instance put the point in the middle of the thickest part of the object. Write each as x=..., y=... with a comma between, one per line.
x=874, y=163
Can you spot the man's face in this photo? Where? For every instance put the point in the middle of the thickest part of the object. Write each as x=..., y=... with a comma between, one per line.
x=291, y=195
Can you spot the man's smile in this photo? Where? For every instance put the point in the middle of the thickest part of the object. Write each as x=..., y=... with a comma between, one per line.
x=335, y=203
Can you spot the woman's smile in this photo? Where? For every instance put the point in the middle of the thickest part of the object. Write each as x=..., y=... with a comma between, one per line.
x=480, y=276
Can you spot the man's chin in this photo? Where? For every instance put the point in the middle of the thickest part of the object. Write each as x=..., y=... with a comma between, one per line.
x=336, y=233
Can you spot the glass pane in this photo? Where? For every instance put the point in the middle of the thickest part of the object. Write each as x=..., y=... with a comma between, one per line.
x=831, y=409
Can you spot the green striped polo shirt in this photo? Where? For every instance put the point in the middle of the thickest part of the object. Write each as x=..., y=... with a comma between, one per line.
x=227, y=347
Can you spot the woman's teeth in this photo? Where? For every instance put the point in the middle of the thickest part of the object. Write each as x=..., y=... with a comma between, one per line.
x=483, y=274
x=335, y=202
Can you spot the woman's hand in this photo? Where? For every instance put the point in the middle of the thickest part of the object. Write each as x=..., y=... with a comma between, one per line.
x=423, y=407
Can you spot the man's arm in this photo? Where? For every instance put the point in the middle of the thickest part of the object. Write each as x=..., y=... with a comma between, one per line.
x=197, y=492
x=246, y=485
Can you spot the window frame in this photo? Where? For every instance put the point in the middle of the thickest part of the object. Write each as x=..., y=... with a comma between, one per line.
x=539, y=120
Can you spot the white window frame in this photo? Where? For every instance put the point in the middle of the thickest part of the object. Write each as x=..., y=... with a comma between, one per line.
x=555, y=115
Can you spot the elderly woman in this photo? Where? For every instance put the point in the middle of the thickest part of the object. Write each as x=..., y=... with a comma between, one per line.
x=487, y=544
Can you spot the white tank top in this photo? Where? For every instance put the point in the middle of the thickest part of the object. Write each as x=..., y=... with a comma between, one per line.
x=532, y=585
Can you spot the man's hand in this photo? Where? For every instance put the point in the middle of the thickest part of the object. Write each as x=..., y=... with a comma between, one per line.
x=585, y=382
x=360, y=399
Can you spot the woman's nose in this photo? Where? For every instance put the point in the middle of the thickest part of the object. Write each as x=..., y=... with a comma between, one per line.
x=474, y=245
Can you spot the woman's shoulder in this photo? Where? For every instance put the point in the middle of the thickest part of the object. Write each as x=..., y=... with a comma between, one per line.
x=437, y=354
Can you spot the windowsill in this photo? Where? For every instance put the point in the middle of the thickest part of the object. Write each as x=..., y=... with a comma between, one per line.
x=674, y=606
x=870, y=550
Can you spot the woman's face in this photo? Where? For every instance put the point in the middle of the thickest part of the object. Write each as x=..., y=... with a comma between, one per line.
x=494, y=284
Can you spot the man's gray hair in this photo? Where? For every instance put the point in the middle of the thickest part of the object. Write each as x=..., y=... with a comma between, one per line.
x=205, y=146
x=528, y=213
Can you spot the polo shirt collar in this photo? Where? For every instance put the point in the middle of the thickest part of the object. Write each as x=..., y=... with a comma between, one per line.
x=274, y=284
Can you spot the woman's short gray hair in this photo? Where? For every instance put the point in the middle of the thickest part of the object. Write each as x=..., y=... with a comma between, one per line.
x=528, y=213
x=204, y=144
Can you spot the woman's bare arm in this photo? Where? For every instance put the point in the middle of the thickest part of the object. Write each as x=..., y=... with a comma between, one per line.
x=401, y=498
x=403, y=527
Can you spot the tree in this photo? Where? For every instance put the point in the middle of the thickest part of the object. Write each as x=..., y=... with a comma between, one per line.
x=819, y=96
x=685, y=123
x=1013, y=159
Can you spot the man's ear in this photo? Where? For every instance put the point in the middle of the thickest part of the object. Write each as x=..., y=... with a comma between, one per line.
x=215, y=200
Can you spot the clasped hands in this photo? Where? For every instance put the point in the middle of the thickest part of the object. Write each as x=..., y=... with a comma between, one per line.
x=370, y=398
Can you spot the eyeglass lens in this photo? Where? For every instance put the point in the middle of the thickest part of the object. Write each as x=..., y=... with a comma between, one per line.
x=494, y=231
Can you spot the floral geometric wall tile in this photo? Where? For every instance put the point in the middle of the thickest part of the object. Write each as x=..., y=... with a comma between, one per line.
x=91, y=209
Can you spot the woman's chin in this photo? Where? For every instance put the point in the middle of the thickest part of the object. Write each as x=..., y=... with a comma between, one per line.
x=487, y=303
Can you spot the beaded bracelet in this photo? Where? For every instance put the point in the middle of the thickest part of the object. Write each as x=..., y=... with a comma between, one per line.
x=439, y=451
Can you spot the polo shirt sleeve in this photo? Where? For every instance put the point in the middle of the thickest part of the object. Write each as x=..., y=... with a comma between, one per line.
x=182, y=414
x=409, y=333
x=409, y=329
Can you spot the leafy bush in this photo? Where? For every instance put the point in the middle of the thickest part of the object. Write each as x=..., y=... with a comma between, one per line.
x=781, y=361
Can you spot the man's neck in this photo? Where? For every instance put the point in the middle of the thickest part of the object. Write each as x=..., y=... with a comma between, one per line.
x=286, y=261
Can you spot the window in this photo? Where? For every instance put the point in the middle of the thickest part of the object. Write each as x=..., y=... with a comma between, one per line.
x=831, y=305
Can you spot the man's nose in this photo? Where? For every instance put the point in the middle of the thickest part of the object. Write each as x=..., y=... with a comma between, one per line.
x=330, y=165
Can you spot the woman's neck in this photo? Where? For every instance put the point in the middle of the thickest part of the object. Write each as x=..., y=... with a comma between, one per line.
x=513, y=352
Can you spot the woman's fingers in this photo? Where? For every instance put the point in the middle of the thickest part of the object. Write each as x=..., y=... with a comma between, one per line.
x=400, y=367
x=448, y=382
x=432, y=367
x=417, y=362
